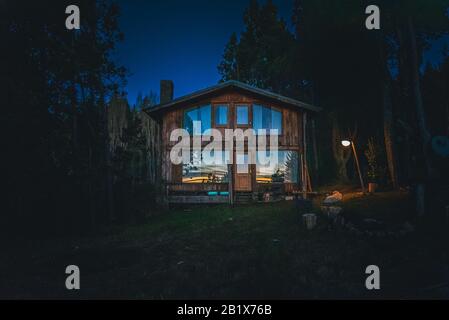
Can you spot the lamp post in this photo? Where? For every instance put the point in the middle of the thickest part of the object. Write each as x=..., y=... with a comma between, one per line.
x=347, y=143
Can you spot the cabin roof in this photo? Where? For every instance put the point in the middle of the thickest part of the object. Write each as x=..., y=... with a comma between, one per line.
x=231, y=84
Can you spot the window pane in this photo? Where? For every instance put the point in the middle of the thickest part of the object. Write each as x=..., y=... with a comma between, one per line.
x=276, y=120
x=291, y=161
x=284, y=170
x=221, y=115
x=242, y=114
x=197, y=171
x=257, y=117
x=266, y=118
x=202, y=114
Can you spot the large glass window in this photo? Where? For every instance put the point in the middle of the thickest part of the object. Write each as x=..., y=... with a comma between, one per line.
x=203, y=114
x=221, y=115
x=197, y=171
x=242, y=114
x=286, y=169
x=266, y=118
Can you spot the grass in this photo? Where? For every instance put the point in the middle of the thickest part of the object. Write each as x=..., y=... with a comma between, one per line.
x=249, y=251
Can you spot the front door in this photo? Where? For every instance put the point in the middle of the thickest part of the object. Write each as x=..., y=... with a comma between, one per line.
x=242, y=170
x=242, y=176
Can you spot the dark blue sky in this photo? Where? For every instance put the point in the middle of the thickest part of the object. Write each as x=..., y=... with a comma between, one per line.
x=184, y=41
x=178, y=40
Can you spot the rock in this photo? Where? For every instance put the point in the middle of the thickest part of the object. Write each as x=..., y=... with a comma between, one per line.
x=309, y=220
x=335, y=210
x=333, y=198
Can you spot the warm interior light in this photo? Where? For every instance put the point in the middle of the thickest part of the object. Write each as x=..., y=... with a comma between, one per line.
x=346, y=143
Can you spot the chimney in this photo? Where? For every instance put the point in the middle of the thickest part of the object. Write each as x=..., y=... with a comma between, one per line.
x=166, y=91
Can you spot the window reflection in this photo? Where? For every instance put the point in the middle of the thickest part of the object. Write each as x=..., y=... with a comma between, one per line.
x=221, y=115
x=200, y=170
x=266, y=118
x=286, y=169
x=242, y=114
x=203, y=114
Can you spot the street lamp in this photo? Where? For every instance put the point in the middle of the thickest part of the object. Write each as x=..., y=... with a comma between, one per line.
x=347, y=143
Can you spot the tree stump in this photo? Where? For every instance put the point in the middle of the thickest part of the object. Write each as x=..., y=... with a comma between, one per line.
x=309, y=220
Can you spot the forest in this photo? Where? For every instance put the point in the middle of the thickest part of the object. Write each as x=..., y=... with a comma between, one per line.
x=79, y=157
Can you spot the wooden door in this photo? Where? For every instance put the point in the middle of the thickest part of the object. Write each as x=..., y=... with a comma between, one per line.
x=242, y=175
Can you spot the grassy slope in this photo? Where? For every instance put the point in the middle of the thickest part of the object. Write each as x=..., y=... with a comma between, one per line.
x=254, y=251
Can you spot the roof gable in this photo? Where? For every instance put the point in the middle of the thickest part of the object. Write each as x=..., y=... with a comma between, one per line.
x=231, y=84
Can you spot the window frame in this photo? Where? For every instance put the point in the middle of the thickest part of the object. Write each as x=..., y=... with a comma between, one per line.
x=215, y=106
x=250, y=115
x=298, y=168
x=201, y=165
x=197, y=106
x=280, y=134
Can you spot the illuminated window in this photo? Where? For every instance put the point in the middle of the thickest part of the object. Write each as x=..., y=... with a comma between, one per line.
x=266, y=118
x=197, y=171
x=203, y=114
x=242, y=114
x=221, y=115
x=285, y=169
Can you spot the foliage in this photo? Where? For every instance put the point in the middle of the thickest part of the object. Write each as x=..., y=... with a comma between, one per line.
x=373, y=154
x=265, y=55
x=58, y=83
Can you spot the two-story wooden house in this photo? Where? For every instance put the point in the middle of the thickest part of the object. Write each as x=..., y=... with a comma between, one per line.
x=231, y=105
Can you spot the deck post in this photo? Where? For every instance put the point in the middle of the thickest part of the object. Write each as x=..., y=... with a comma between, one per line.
x=304, y=157
x=230, y=185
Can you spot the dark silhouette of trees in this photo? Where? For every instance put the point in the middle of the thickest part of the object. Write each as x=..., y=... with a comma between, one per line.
x=368, y=79
x=58, y=83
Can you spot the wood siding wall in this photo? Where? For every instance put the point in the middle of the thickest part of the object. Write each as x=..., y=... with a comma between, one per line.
x=145, y=166
x=290, y=139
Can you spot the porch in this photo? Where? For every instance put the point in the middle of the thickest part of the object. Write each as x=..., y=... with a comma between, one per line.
x=197, y=193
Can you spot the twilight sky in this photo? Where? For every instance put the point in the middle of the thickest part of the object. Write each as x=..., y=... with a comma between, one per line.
x=183, y=40
x=178, y=40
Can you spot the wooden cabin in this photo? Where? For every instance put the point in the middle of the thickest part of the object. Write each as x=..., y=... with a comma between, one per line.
x=233, y=105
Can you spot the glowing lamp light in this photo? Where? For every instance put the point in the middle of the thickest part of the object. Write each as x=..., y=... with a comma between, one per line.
x=346, y=143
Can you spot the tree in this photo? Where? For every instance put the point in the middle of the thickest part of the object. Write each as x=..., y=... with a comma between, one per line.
x=265, y=54
x=412, y=26
x=228, y=67
x=340, y=69
x=58, y=82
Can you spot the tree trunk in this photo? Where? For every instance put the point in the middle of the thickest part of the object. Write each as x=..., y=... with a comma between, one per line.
x=107, y=161
x=315, y=149
x=406, y=117
x=341, y=154
x=388, y=116
x=423, y=130
x=74, y=119
x=389, y=134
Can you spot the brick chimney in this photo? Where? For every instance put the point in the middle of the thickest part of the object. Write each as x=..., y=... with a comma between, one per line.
x=166, y=94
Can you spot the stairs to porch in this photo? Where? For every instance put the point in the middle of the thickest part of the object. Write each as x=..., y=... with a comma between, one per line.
x=243, y=197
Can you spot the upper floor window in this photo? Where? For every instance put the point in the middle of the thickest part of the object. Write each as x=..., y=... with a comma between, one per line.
x=221, y=115
x=242, y=115
x=203, y=114
x=266, y=118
